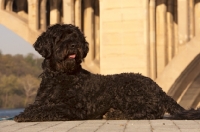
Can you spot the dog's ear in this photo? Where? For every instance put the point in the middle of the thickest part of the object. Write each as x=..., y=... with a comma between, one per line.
x=85, y=49
x=43, y=45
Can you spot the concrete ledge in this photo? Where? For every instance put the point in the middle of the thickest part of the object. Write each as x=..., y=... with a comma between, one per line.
x=103, y=126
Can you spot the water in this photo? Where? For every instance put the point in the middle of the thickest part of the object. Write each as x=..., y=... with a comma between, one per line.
x=9, y=113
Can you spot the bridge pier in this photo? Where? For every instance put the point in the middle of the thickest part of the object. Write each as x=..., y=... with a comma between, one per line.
x=8, y=5
x=20, y=7
x=2, y=3
x=197, y=17
x=184, y=21
x=55, y=14
x=43, y=15
x=161, y=33
x=88, y=28
x=33, y=14
x=68, y=11
x=78, y=13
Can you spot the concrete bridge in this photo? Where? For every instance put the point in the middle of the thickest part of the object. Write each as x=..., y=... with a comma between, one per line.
x=158, y=38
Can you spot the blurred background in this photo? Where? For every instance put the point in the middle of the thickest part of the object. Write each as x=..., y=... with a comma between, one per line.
x=157, y=38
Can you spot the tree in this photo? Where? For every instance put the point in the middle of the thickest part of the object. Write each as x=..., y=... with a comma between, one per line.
x=18, y=74
x=8, y=85
x=30, y=85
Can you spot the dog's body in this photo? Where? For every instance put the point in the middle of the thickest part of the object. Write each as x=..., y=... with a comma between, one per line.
x=68, y=92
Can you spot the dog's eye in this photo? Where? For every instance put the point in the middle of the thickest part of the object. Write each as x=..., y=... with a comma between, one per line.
x=75, y=36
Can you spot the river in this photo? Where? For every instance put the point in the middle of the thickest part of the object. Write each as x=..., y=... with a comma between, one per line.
x=9, y=113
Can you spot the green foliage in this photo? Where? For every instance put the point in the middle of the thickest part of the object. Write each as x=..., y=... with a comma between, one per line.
x=30, y=86
x=18, y=79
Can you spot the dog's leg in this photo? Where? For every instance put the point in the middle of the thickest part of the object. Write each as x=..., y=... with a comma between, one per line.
x=114, y=114
x=35, y=113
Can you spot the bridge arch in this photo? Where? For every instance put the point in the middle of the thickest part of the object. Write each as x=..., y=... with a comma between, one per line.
x=182, y=73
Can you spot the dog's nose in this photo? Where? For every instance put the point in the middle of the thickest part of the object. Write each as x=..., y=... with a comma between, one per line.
x=72, y=45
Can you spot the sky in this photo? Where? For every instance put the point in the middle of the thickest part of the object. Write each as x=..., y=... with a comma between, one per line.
x=11, y=43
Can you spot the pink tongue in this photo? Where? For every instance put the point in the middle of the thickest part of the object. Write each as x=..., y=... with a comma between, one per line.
x=72, y=56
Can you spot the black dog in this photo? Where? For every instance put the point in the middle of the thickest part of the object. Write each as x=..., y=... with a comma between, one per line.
x=68, y=92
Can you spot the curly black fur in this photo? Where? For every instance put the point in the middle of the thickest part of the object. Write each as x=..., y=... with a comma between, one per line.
x=68, y=92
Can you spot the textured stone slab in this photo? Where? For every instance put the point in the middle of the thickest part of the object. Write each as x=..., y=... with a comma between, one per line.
x=103, y=126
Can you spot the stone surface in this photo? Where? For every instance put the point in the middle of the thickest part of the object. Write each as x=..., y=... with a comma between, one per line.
x=103, y=126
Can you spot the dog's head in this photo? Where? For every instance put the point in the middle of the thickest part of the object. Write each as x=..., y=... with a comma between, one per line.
x=63, y=47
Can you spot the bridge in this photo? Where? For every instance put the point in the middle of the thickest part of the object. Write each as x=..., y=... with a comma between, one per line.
x=158, y=38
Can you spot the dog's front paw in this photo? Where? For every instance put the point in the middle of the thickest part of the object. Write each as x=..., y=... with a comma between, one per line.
x=19, y=118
